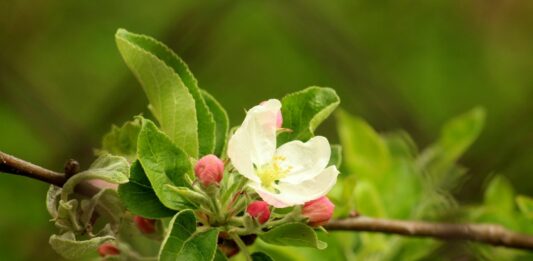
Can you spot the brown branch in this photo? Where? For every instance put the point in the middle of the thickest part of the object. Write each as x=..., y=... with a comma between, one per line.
x=484, y=233
x=13, y=165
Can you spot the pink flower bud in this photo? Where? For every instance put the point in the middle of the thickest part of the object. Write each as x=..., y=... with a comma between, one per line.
x=259, y=210
x=145, y=225
x=279, y=118
x=318, y=211
x=209, y=170
x=108, y=249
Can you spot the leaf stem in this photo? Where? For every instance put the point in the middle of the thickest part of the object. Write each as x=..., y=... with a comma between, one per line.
x=241, y=246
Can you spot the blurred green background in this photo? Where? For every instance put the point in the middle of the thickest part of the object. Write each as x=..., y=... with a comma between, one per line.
x=398, y=64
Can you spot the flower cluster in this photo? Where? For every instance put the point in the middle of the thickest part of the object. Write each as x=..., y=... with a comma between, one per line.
x=259, y=186
x=293, y=174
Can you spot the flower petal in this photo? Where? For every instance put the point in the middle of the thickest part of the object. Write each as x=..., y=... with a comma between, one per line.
x=305, y=160
x=291, y=194
x=255, y=141
x=273, y=199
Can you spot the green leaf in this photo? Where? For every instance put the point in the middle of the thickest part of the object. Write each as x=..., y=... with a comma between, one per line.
x=52, y=199
x=336, y=156
x=222, y=122
x=181, y=228
x=113, y=169
x=460, y=132
x=368, y=200
x=500, y=194
x=303, y=111
x=365, y=153
x=219, y=256
x=163, y=163
x=525, y=204
x=68, y=247
x=260, y=256
x=108, y=205
x=201, y=246
x=172, y=91
x=122, y=141
x=293, y=234
x=455, y=138
x=139, y=197
x=183, y=242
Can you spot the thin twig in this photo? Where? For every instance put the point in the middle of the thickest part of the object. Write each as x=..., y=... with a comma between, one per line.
x=13, y=165
x=484, y=233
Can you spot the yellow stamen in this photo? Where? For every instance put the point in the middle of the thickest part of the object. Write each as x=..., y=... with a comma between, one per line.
x=272, y=172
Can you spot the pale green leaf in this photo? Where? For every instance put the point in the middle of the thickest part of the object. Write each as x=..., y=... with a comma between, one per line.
x=139, y=197
x=171, y=100
x=365, y=153
x=122, y=141
x=52, y=200
x=303, y=111
x=68, y=247
x=113, y=169
x=368, y=200
x=293, y=234
x=106, y=203
x=164, y=163
x=500, y=194
x=525, y=204
x=456, y=136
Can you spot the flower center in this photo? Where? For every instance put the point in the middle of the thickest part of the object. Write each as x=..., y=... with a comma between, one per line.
x=271, y=173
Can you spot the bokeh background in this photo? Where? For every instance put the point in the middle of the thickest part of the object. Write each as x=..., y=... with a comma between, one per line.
x=399, y=64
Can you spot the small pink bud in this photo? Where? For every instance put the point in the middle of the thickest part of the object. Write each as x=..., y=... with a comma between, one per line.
x=259, y=210
x=108, y=249
x=209, y=169
x=279, y=117
x=145, y=225
x=319, y=211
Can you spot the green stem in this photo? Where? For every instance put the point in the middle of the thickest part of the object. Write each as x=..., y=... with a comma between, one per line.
x=241, y=246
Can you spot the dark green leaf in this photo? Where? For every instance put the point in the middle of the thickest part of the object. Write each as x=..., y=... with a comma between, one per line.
x=222, y=122
x=139, y=197
x=181, y=228
x=163, y=163
x=183, y=242
x=293, y=234
x=202, y=246
x=219, y=256
x=303, y=111
x=260, y=256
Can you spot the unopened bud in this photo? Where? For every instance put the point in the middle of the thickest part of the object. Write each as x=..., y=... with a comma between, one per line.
x=318, y=211
x=108, y=249
x=279, y=118
x=209, y=170
x=259, y=210
x=145, y=225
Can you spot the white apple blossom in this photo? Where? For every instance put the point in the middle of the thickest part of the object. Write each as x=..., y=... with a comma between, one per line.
x=292, y=174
